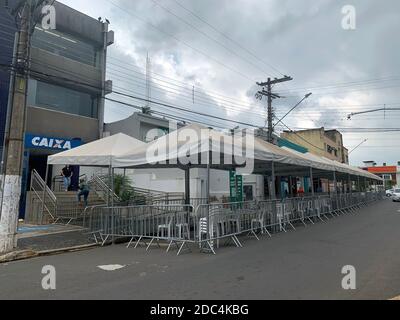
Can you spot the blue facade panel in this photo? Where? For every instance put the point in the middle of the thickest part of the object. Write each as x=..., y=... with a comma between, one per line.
x=291, y=145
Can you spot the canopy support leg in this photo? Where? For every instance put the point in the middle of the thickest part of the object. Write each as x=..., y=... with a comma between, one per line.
x=187, y=185
x=312, y=181
x=273, y=178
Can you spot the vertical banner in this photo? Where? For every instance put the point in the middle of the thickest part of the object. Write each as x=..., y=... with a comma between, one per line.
x=232, y=185
x=236, y=187
x=239, y=189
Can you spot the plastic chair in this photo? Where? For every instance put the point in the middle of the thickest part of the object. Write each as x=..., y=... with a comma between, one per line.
x=165, y=227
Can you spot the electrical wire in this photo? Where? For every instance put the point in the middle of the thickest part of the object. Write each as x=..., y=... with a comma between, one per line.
x=227, y=37
x=129, y=12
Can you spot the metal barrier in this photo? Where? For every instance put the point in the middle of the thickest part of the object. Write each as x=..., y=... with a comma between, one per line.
x=174, y=224
x=218, y=221
x=209, y=224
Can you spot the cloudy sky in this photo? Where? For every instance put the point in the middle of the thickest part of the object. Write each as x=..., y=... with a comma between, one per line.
x=208, y=55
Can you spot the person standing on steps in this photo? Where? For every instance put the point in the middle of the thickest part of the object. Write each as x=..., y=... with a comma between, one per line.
x=83, y=191
x=67, y=174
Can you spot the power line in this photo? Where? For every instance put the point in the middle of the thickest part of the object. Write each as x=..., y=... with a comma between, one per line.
x=379, y=130
x=185, y=110
x=81, y=77
x=345, y=84
x=185, y=86
x=171, y=116
x=298, y=135
x=208, y=36
x=186, y=92
x=181, y=41
x=227, y=37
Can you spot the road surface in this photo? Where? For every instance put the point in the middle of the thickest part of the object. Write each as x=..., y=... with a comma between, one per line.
x=303, y=264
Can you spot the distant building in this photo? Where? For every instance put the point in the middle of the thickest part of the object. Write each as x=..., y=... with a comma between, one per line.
x=321, y=142
x=280, y=141
x=390, y=174
x=141, y=126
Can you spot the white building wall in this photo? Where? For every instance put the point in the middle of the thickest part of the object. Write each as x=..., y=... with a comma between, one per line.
x=173, y=181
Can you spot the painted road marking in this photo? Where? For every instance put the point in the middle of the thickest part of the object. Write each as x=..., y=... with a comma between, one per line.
x=111, y=267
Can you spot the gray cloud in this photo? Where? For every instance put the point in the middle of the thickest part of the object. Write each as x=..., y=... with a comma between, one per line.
x=301, y=38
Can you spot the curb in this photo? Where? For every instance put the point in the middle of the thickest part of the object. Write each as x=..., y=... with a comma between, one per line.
x=29, y=254
x=18, y=255
x=68, y=249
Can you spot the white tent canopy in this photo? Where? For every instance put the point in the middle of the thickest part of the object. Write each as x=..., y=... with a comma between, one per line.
x=324, y=163
x=196, y=139
x=102, y=152
x=123, y=151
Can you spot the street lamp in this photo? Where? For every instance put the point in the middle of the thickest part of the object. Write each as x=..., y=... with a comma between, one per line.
x=305, y=97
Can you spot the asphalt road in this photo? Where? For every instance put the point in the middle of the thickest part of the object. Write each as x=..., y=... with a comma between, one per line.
x=305, y=264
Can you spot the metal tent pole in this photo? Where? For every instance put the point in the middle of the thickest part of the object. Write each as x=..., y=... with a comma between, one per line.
x=273, y=177
x=336, y=190
x=350, y=184
x=112, y=206
x=312, y=181
x=187, y=185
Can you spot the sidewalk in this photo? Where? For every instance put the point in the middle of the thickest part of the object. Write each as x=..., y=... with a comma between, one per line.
x=35, y=241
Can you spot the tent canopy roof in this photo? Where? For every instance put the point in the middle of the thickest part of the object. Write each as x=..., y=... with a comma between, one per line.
x=98, y=153
x=334, y=165
x=192, y=138
x=123, y=151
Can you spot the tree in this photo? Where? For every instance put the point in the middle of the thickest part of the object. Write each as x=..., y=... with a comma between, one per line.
x=123, y=187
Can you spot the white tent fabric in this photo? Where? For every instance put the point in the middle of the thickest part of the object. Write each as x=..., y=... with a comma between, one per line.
x=98, y=153
x=190, y=140
x=359, y=172
x=334, y=165
x=123, y=151
x=318, y=162
x=196, y=139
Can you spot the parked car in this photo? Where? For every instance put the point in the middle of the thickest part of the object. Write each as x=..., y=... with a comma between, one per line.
x=396, y=195
x=389, y=192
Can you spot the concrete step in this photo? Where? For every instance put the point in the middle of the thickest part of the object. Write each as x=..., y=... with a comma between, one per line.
x=71, y=196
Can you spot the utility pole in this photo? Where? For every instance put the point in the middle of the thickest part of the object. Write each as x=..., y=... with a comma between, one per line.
x=267, y=92
x=15, y=141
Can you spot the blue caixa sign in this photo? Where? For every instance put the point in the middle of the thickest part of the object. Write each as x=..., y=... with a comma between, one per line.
x=33, y=141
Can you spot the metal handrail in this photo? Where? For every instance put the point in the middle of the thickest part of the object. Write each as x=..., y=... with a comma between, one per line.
x=104, y=187
x=42, y=192
x=101, y=181
x=36, y=176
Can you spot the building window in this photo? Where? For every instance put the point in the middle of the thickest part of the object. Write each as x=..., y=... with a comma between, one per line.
x=49, y=96
x=65, y=45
